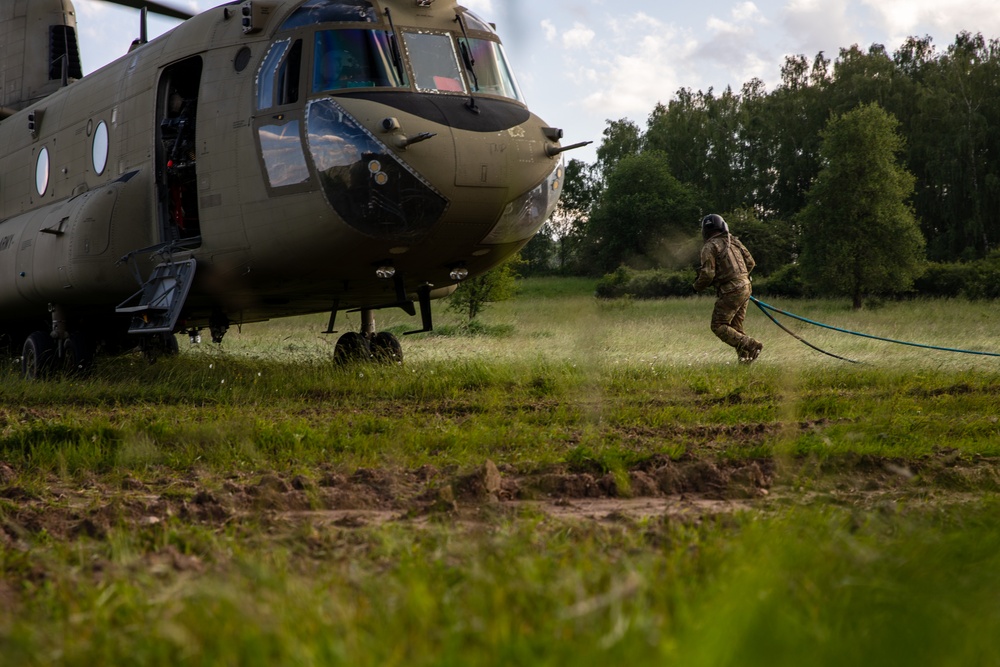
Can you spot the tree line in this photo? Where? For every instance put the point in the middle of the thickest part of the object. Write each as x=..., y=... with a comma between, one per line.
x=862, y=171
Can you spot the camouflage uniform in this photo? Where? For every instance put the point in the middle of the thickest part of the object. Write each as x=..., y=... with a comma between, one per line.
x=726, y=265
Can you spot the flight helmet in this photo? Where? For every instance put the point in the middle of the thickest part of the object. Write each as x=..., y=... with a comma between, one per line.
x=713, y=224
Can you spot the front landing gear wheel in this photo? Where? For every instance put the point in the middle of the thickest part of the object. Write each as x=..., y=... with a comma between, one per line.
x=37, y=356
x=351, y=347
x=386, y=348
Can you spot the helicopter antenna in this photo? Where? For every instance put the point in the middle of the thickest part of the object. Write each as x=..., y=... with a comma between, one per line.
x=144, y=25
x=470, y=64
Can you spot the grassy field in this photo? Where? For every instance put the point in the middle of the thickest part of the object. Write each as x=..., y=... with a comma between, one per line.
x=582, y=482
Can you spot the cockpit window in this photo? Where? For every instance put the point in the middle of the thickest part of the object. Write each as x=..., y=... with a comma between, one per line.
x=493, y=75
x=473, y=22
x=434, y=62
x=331, y=11
x=265, y=78
x=278, y=78
x=356, y=59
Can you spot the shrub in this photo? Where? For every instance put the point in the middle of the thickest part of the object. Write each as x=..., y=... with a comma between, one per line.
x=653, y=284
x=974, y=280
x=786, y=281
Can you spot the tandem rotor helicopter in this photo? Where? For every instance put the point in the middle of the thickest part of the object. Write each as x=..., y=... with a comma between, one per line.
x=262, y=159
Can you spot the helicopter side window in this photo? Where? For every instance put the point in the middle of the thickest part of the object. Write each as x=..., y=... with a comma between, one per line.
x=278, y=80
x=281, y=145
x=42, y=172
x=434, y=61
x=493, y=74
x=355, y=59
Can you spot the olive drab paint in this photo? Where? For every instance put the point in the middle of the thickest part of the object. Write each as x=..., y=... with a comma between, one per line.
x=262, y=159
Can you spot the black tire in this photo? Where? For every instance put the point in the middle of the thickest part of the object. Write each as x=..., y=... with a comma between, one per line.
x=159, y=345
x=351, y=347
x=78, y=355
x=386, y=348
x=37, y=356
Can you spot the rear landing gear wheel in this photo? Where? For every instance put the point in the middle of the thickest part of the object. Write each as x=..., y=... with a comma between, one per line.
x=351, y=347
x=77, y=355
x=386, y=348
x=154, y=346
x=37, y=356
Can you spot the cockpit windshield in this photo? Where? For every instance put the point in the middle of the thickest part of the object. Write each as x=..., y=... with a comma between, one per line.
x=434, y=61
x=463, y=60
x=493, y=74
x=356, y=59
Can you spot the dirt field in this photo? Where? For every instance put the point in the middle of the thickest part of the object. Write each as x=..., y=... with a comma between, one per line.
x=688, y=488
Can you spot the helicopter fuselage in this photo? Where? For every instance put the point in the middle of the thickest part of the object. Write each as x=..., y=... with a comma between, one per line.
x=304, y=156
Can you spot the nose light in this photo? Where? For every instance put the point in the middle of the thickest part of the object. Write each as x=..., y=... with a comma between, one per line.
x=385, y=272
x=459, y=273
x=552, y=133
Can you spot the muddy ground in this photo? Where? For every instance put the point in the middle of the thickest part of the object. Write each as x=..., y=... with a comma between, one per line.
x=688, y=488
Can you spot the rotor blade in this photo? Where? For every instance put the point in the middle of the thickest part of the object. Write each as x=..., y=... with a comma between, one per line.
x=155, y=7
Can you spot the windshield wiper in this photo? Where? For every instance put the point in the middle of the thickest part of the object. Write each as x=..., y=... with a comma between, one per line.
x=470, y=64
x=397, y=60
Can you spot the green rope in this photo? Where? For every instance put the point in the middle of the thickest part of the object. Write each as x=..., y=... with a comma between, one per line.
x=764, y=307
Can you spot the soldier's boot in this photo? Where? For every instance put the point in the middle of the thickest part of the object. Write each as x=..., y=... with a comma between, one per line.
x=750, y=350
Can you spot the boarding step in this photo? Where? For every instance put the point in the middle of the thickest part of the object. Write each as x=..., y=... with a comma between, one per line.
x=157, y=306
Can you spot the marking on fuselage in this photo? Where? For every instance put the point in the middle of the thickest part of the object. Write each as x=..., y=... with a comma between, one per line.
x=6, y=242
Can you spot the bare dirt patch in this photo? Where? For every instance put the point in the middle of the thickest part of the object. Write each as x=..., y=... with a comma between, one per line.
x=659, y=487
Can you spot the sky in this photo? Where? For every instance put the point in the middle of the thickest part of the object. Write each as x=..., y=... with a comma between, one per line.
x=581, y=63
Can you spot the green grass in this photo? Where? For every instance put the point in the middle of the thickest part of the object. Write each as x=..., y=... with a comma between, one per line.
x=182, y=512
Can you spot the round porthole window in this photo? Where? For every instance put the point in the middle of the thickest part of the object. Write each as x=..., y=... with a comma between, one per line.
x=242, y=59
x=42, y=172
x=100, y=152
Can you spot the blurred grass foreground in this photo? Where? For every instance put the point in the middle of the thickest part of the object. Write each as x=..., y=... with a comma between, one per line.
x=258, y=504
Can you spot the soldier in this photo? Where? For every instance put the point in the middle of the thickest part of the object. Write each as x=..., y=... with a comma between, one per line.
x=726, y=265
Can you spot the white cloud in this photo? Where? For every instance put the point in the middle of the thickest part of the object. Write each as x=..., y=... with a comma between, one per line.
x=485, y=6
x=820, y=25
x=943, y=19
x=578, y=37
x=745, y=17
x=747, y=11
x=644, y=62
x=551, y=32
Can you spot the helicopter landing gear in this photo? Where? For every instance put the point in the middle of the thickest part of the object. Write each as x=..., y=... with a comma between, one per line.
x=38, y=356
x=71, y=353
x=386, y=348
x=77, y=354
x=351, y=347
x=154, y=346
x=382, y=347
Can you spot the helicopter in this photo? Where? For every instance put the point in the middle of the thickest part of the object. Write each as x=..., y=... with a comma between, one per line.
x=261, y=159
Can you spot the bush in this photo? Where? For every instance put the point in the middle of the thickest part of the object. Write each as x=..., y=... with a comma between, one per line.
x=973, y=280
x=786, y=281
x=653, y=284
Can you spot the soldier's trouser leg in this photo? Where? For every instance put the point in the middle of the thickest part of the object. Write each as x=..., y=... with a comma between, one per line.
x=728, y=316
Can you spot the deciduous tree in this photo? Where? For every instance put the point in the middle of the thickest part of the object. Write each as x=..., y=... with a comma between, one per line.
x=860, y=236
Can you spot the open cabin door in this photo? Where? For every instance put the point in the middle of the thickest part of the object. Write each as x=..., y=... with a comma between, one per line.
x=176, y=159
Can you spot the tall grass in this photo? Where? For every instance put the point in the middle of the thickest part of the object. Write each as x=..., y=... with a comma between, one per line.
x=869, y=549
x=820, y=586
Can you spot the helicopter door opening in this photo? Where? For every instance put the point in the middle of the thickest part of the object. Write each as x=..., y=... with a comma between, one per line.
x=176, y=160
